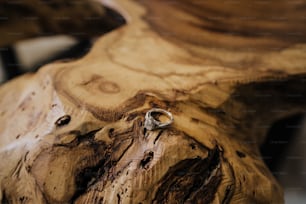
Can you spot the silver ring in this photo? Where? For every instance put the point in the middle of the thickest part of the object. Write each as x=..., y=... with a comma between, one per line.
x=151, y=123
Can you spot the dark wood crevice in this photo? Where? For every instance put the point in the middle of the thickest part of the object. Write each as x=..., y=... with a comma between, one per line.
x=87, y=177
x=191, y=180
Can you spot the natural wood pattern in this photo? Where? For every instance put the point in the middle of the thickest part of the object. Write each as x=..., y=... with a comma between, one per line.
x=248, y=25
x=73, y=132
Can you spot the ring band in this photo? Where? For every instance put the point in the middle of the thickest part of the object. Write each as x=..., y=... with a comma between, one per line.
x=151, y=123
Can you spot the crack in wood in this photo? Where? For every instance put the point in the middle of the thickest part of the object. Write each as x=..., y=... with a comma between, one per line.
x=191, y=180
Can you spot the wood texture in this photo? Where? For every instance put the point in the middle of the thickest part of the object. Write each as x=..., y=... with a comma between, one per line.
x=73, y=132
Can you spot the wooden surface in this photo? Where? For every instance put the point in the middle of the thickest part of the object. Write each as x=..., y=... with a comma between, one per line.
x=73, y=132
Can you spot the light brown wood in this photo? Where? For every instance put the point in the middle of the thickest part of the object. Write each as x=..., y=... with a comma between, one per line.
x=73, y=132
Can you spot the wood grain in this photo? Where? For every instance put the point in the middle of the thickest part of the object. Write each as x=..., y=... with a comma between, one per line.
x=170, y=55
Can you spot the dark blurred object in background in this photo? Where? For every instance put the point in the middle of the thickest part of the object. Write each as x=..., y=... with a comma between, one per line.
x=36, y=32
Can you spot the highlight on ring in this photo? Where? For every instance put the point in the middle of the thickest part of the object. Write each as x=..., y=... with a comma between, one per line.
x=151, y=123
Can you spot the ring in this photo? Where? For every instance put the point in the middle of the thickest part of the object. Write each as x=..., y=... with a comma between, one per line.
x=151, y=123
